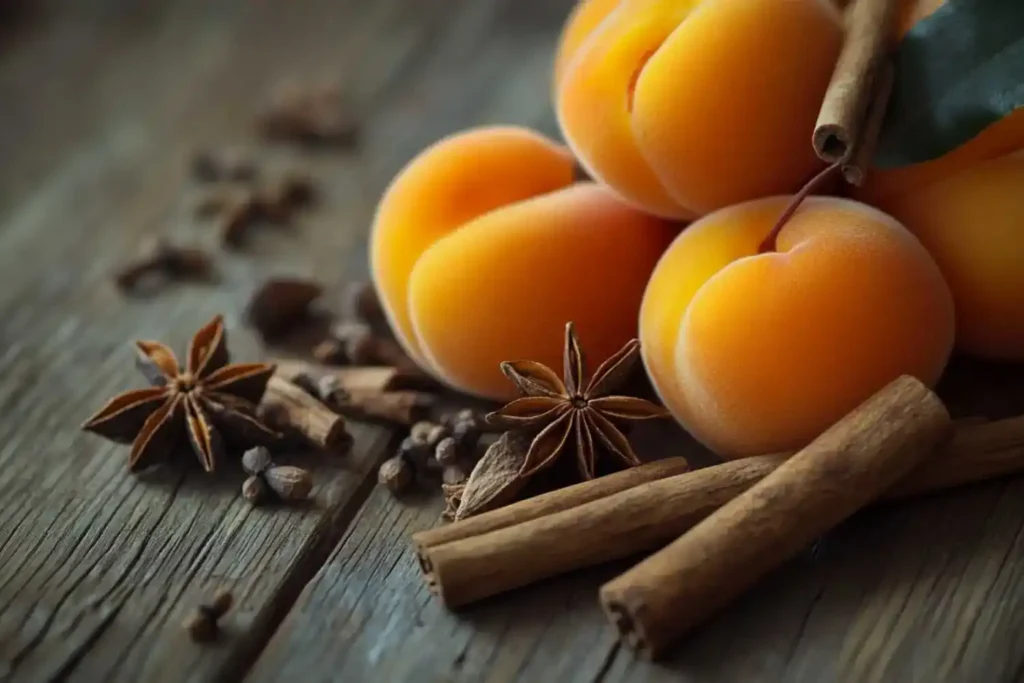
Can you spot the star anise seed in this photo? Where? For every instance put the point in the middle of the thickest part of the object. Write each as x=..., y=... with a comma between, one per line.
x=567, y=409
x=210, y=400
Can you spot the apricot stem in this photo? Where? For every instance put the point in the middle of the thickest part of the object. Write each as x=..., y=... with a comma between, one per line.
x=769, y=242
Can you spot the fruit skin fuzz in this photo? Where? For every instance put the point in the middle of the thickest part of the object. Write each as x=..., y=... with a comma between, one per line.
x=485, y=245
x=686, y=107
x=759, y=352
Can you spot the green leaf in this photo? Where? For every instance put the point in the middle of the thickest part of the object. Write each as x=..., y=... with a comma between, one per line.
x=958, y=71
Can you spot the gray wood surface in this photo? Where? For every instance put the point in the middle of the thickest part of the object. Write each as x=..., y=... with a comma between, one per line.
x=100, y=104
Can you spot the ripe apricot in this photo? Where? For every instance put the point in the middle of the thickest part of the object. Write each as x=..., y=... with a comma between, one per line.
x=684, y=107
x=971, y=223
x=884, y=186
x=483, y=248
x=758, y=353
x=584, y=18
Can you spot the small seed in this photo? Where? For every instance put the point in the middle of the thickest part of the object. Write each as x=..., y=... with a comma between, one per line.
x=254, y=490
x=447, y=452
x=420, y=432
x=256, y=460
x=395, y=473
x=288, y=482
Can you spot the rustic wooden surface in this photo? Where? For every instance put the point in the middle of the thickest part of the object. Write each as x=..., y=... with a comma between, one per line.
x=100, y=105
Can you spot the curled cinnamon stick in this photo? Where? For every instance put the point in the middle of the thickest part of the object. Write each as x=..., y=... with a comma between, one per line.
x=869, y=23
x=850, y=464
x=286, y=406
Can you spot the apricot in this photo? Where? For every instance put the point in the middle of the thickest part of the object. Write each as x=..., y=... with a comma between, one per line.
x=760, y=352
x=971, y=223
x=684, y=107
x=584, y=18
x=884, y=186
x=483, y=247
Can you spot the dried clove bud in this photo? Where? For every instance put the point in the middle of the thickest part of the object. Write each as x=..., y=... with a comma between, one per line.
x=360, y=302
x=288, y=482
x=173, y=262
x=202, y=625
x=280, y=304
x=224, y=165
x=395, y=473
x=255, y=490
x=314, y=115
x=238, y=218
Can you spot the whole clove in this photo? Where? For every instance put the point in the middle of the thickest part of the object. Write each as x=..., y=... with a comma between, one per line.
x=280, y=304
x=202, y=625
x=159, y=257
x=309, y=115
x=229, y=165
x=360, y=302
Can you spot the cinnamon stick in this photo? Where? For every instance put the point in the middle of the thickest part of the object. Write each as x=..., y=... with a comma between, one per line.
x=856, y=169
x=286, y=406
x=356, y=378
x=869, y=23
x=850, y=464
x=462, y=562
x=551, y=502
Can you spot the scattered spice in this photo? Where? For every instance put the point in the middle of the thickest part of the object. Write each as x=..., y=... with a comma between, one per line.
x=227, y=165
x=255, y=490
x=242, y=207
x=396, y=474
x=211, y=400
x=288, y=408
x=360, y=302
x=353, y=342
x=280, y=304
x=284, y=481
x=496, y=478
x=202, y=624
x=571, y=409
x=311, y=115
x=161, y=259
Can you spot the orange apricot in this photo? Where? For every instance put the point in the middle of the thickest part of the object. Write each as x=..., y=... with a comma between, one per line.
x=760, y=352
x=684, y=107
x=455, y=180
x=971, y=223
x=484, y=247
x=885, y=186
x=584, y=18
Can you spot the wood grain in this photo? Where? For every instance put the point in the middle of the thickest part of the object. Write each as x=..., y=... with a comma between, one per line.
x=97, y=567
x=102, y=101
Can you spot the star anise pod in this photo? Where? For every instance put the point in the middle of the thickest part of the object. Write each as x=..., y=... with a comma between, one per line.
x=210, y=400
x=569, y=409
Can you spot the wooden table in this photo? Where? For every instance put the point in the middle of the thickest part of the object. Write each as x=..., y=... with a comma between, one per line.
x=101, y=103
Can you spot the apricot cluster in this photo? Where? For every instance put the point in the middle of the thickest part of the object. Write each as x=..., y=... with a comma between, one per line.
x=487, y=242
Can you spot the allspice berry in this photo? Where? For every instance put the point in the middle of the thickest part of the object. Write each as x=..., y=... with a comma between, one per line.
x=288, y=482
x=255, y=490
x=447, y=452
x=395, y=473
x=202, y=624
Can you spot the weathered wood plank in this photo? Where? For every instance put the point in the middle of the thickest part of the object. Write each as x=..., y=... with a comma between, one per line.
x=924, y=590
x=98, y=567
